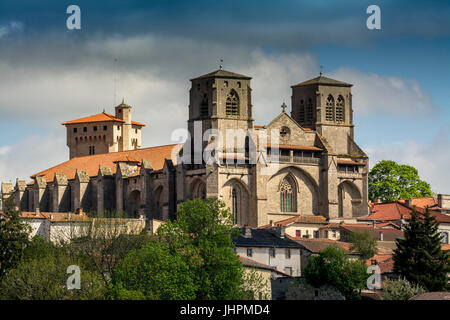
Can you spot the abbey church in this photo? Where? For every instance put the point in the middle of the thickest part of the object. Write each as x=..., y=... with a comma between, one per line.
x=305, y=163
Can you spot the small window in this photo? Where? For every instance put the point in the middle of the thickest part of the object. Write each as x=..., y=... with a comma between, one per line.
x=316, y=234
x=272, y=252
x=334, y=234
x=239, y=84
x=95, y=128
x=249, y=252
x=288, y=270
x=118, y=128
x=288, y=253
x=75, y=130
x=84, y=129
x=105, y=128
x=120, y=110
x=225, y=83
x=198, y=87
x=135, y=131
x=298, y=233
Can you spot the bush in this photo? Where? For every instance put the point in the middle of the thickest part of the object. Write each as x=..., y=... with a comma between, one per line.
x=400, y=289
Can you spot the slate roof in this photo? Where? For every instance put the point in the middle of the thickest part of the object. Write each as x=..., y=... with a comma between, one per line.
x=321, y=80
x=249, y=263
x=220, y=73
x=264, y=238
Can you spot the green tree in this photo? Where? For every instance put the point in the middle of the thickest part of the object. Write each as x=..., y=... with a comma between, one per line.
x=332, y=267
x=41, y=274
x=364, y=244
x=13, y=237
x=419, y=257
x=400, y=289
x=198, y=244
x=155, y=273
x=390, y=181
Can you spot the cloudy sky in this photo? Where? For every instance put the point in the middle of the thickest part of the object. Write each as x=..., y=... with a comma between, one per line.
x=49, y=74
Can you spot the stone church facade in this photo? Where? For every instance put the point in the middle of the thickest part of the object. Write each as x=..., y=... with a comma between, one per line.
x=305, y=163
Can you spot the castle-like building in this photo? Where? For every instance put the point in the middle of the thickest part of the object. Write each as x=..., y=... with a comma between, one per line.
x=306, y=163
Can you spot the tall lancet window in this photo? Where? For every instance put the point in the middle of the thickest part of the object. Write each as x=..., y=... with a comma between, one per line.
x=204, y=106
x=288, y=195
x=232, y=104
x=309, y=116
x=340, y=107
x=330, y=108
x=301, y=112
x=234, y=204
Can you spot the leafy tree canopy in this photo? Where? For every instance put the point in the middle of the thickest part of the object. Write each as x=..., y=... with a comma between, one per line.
x=191, y=258
x=13, y=237
x=419, y=257
x=390, y=181
x=333, y=267
x=364, y=244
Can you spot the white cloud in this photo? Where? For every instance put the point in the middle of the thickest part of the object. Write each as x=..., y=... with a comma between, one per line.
x=389, y=95
x=10, y=27
x=431, y=159
x=56, y=80
x=30, y=156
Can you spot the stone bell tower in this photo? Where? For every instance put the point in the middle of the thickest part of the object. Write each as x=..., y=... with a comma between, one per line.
x=325, y=105
x=219, y=100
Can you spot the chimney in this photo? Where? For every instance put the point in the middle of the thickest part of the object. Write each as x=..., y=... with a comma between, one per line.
x=408, y=202
x=444, y=201
x=51, y=216
x=381, y=236
x=247, y=232
x=280, y=232
x=37, y=212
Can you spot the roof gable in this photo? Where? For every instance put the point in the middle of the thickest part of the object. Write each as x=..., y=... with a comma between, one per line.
x=220, y=73
x=324, y=81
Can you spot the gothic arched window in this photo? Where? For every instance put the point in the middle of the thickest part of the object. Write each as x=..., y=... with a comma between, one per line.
x=204, y=106
x=309, y=112
x=234, y=204
x=340, y=107
x=288, y=201
x=329, y=110
x=232, y=104
x=301, y=112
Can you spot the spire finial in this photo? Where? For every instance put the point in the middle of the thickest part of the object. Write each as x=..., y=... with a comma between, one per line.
x=221, y=64
x=123, y=100
x=284, y=106
x=321, y=70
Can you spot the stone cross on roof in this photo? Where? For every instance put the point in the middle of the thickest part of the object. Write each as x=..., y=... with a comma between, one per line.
x=284, y=106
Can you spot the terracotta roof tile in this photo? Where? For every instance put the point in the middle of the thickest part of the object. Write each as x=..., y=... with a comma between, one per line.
x=300, y=219
x=316, y=245
x=422, y=202
x=90, y=164
x=100, y=117
x=246, y=262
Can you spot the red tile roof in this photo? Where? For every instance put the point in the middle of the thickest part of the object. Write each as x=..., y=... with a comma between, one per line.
x=389, y=234
x=156, y=155
x=316, y=245
x=422, y=202
x=394, y=211
x=101, y=117
x=299, y=219
x=384, y=261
